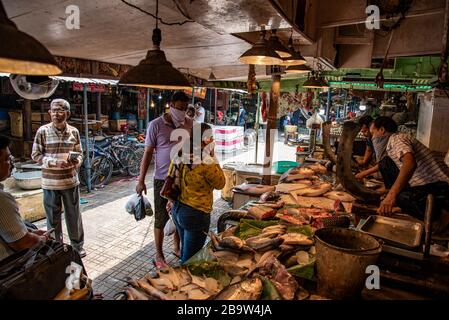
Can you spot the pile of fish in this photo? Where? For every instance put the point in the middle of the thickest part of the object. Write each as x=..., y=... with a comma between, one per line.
x=173, y=284
x=303, y=216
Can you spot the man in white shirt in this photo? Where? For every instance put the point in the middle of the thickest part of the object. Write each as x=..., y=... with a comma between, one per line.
x=410, y=172
x=200, y=113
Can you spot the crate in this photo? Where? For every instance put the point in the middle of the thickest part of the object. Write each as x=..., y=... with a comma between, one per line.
x=16, y=123
x=116, y=125
x=36, y=117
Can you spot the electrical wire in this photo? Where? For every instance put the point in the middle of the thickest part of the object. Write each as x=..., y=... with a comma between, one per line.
x=156, y=17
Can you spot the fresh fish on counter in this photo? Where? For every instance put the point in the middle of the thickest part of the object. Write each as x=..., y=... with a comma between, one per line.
x=276, y=272
x=273, y=205
x=264, y=244
x=317, y=168
x=150, y=290
x=260, y=212
x=136, y=294
x=227, y=256
x=340, y=196
x=314, y=191
x=296, y=239
x=256, y=189
x=270, y=196
x=276, y=228
x=249, y=289
x=289, y=187
x=232, y=242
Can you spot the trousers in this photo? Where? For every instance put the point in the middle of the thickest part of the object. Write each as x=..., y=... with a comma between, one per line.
x=53, y=200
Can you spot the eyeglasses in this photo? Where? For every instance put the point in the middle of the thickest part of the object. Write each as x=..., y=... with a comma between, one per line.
x=58, y=111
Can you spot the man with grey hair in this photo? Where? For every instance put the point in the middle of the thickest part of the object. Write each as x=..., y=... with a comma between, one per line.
x=57, y=146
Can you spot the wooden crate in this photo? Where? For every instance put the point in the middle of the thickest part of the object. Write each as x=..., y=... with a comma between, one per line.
x=116, y=125
x=36, y=117
x=16, y=123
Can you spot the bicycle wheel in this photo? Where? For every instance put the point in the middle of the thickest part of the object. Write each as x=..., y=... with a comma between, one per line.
x=101, y=171
x=132, y=164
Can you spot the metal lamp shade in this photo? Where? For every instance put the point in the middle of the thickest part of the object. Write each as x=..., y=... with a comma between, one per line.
x=324, y=83
x=312, y=83
x=316, y=83
x=261, y=54
x=277, y=46
x=300, y=69
x=212, y=77
x=21, y=53
x=296, y=59
x=155, y=72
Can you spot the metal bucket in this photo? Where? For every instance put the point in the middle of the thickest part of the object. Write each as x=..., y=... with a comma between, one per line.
x=342, y=256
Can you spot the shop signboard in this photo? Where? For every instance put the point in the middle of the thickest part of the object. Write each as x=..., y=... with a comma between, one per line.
x=91, y=87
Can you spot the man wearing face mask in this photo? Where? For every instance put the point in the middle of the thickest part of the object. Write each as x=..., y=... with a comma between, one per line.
x=158, y=141
x=410, y=172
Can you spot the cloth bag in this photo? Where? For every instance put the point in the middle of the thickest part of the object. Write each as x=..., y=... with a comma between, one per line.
x=38, y=273
x=171, y=188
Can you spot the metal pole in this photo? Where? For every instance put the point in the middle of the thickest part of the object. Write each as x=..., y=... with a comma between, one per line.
x=147, y=120
x=329, y=103
x=215, y=106
x=257, y=127
x=86, y=132
x=271, y=128
x=210, y=105
x=193, y=95
x=98, y=106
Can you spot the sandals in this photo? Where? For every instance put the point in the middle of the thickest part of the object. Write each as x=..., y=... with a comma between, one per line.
x=160, y=265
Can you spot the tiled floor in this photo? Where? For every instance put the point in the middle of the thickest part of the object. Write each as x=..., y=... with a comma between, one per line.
x=119, y=247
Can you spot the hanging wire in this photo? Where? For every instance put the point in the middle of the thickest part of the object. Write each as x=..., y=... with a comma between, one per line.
x=156, y=16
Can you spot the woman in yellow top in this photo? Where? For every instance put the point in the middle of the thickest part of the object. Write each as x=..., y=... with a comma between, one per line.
x=199, y=175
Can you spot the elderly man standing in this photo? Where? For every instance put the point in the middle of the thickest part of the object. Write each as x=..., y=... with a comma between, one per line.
x=159, y=141
x=52, y=147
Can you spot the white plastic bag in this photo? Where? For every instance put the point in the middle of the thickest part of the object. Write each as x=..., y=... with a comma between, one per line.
x=170, y=227
x=314, y=121
x=133, y=206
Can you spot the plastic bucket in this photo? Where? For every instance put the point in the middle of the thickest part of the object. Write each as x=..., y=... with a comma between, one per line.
x=342, y=257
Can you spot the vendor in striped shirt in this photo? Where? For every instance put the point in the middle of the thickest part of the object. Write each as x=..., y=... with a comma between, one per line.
x=411, y=172
x=52, y=147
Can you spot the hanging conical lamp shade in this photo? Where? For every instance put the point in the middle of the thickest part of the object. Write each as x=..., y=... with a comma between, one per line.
x=299, y=69
x=276, y=44
x=313, y=82
x=261, y=53
x=296, y=59
x=323, y=82
x=212, y=76
x=155, y=71
x=21, y=53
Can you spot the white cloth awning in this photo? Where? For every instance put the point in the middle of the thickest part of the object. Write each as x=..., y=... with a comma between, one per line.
x=75, y=79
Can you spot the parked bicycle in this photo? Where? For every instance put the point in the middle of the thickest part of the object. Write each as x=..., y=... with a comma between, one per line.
x=108, y=156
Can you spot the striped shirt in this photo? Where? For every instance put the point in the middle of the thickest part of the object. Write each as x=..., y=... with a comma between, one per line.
x=429, y=168
x=12, y=227
x=50, y=145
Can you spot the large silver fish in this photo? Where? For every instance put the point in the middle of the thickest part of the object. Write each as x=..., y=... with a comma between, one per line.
x=249, y=289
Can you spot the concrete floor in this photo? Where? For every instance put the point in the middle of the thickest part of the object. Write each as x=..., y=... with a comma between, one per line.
x=119, y=247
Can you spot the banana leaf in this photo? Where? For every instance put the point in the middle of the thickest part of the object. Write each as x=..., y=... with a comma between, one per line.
x=269, y=290
x=250, y=228
x=304, y=272
x=210, y=269
x=305, y=230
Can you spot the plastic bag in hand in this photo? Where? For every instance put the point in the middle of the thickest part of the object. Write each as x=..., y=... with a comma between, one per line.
x=139, y=206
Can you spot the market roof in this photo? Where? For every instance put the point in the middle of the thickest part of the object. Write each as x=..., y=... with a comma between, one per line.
x=78, y=80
